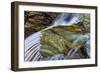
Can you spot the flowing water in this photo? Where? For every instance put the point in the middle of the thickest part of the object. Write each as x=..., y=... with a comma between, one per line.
x=32, y=43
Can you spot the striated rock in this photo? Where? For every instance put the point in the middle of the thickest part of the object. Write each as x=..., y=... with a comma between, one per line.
x=36, y=21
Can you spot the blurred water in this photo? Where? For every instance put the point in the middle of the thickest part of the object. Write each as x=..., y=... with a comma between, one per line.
x=67, y=19
x=32, y=46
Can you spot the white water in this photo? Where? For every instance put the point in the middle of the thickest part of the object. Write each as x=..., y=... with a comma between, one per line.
x=32, y=46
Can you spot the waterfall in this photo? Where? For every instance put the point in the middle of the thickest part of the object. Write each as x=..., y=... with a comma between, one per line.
x=32, y=43
x=32, y=46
